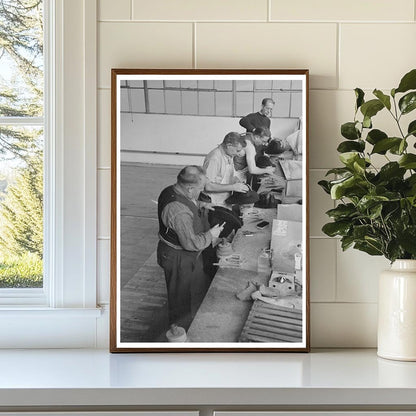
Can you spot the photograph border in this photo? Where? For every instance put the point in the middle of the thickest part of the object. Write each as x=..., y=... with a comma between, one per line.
x=114, y=318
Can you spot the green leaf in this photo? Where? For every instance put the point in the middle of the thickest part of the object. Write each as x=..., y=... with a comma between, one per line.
x=375, y=212
x=359, y=165
x=348, y=158
x=339, y=189
x=369, y=201
x=349, y=131
x=359, y=94
x=408, y=161
x=391, y=170
x=400, y=148
x=333, y=229
x=375, y=135
x=342, y=211
x=325, y=186
x=408, y=82
x=346, y=242
x=368, y=248
x=385, y=99
x=393, y=250
x=411, y=130
x=338, y=171
x=408, y=102
x=367, y=122
x=349, y=146
x=361, y=231
x=371, y=108
x=385, y=144
x=407, y=240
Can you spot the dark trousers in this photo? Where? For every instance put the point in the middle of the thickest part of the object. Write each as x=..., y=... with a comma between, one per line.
x=186, y=283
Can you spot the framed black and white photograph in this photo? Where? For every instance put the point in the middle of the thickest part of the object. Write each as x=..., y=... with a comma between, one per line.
x=209, y=210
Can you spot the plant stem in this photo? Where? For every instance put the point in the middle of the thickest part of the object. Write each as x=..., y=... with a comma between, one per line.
x=396, y=119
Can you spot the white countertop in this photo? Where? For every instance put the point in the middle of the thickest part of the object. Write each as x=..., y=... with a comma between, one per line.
x=96, y=377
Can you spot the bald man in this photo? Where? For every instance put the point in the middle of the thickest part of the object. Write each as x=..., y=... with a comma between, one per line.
x=261, y=119
x=184, y=233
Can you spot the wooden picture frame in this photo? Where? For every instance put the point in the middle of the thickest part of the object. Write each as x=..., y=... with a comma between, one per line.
x=258, y=298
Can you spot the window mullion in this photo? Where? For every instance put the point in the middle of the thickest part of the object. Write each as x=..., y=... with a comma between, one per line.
x=22, y=121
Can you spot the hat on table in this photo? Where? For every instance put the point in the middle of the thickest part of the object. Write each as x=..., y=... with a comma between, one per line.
x=242, y=198
x=220, y=215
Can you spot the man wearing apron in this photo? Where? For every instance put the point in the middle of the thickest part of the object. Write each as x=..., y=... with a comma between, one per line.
x=219, y=167
x=184, y=233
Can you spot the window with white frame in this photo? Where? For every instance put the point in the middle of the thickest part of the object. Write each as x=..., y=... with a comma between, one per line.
x=64, y=312
x=22, y=144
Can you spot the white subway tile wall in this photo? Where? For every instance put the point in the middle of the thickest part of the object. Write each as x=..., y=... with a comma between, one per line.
x=104, y=202
x=383, y=42
x=114, y=10
x=103, y=271
x=270, y=46
x=345, y=44
x=104, y=128
x=200, y=10
x=142, y=45
x=323, y=269
x=357, y=275
x=356, y=10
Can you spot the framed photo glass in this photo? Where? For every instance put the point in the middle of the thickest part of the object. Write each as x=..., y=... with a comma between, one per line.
x=209, y=210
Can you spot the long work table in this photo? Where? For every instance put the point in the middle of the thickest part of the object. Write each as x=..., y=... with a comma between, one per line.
x=222, y=315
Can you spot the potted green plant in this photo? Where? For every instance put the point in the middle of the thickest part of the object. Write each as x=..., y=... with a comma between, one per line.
x=376, y=207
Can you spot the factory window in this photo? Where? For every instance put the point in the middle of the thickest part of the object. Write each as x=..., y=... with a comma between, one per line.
x=209, y=97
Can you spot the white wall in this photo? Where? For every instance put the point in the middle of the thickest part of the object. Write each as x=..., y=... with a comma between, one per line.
x=195, y=135
x=345, y=44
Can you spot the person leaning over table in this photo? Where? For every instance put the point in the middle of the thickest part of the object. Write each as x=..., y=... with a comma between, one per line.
x=245, y=161
x=253, y=121
x=184, y=233
x=220, y=171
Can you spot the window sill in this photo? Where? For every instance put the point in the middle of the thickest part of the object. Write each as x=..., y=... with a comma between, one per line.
x=40, y=327
x=31, y=311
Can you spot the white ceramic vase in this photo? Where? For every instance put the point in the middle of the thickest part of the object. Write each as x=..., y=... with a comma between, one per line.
x=397, y=312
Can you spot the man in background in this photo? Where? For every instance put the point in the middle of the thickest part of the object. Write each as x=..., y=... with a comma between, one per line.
x=253, y=121
x=184, y=233
x=220, y=171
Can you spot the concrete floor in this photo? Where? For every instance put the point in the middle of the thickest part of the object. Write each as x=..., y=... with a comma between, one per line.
x=143, y=293
x=140, y=184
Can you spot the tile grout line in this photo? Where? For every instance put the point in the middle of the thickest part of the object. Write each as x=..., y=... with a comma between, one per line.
x=131, y=9
x=308, y=22
x=269, y=10
x=194, y=61
x=338, y=63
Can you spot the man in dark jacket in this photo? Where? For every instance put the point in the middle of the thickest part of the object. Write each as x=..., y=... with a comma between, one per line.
x=253, y=121
x=184, y=233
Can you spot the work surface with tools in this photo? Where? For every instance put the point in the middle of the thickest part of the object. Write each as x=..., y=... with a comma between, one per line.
x=222, y=315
